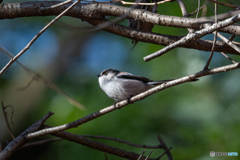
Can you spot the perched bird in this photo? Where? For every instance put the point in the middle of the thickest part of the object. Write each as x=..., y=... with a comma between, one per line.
x=142, y=26
x=123, y=85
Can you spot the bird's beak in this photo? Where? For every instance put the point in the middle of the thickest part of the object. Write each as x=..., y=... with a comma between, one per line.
x=98, y=75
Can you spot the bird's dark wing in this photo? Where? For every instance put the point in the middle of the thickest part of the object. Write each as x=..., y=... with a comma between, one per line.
x=131, y=76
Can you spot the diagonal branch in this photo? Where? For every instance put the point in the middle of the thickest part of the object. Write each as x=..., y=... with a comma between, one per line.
x=42, y=142
x=224, y=4
x=229, y=42
x=97, y=145
x=133, y=99
x=83, y=12
x=35, y=38
x=228, y=57
x=214, y=41
x=97, y=137
x=26, y=9
x=194, y=36
x=165, y=147
x=141, y=154
x=161, y=39
x=146, y=4
x=21, y=139
x=122, y=141
x=44, y=80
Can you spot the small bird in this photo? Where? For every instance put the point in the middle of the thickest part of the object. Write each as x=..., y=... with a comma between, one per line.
x=142, y=26
x=123, y=85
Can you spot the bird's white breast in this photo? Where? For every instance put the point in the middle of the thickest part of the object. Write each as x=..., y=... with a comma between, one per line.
x=120, y=88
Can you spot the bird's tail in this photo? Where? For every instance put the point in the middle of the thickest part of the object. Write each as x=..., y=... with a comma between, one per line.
x=155, y=83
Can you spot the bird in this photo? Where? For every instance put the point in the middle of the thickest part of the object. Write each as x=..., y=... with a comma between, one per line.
x=141, y=26
x=120, y=85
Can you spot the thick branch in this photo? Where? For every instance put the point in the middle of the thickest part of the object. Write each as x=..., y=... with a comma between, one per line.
x=25, y=9
x=162, y=39
x=88, y=13
x=21, y=139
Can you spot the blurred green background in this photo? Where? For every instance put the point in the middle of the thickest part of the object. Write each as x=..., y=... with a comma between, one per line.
x=193, y=118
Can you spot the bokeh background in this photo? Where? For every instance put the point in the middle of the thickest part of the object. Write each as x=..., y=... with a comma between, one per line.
x=193, y=118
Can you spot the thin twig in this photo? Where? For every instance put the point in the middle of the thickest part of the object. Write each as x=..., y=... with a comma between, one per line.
x=146, y=4
x=224, y=4
x=230, y=39
x=97, y=145
x=190, y=14
x=42, y=142
x=57, y=5
x=102, y=2
x=163, y=153
x=141, y=154
x=45, y=81
x=105, y=156
x=121, y=141
x=165, y=147
x=228, y=58
x=35, y=38
x=214, y=41
x=21, y=139
x=149, y=154
x=133, y=99
x=224, y=15
x=184, y=13
x=25, y=87
x=6, y=120
x=194, y=36
x=198, y=8
x=229, y=42
x=204, y=12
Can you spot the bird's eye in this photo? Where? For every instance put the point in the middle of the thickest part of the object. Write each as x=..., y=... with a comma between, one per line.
x=105, y=73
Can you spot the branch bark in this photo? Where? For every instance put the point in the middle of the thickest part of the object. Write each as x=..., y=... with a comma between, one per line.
x=88, y=13
x=98, y=145
x=21, y=139
x=133, y=99
x=35, y=38
x=193, y=36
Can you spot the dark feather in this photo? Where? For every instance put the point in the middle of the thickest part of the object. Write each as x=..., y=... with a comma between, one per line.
x=130, y=76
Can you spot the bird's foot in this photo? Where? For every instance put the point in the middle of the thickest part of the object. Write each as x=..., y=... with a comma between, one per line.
x=129, y=100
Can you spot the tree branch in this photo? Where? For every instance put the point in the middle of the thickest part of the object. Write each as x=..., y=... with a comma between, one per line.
x=87, y=12
x=214, y=41
x=122, y=141
x=42, y=142
x=98, y=145
x=21, y=139
x=45, y=81
x=5, y=117
x=35, y=38
x=194, y=36
x=224, y=4
x=133, y=99
x=161, y=39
